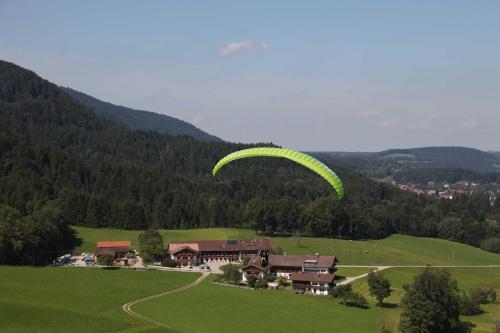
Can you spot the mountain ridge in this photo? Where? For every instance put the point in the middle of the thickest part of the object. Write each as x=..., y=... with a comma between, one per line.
x=140, y=119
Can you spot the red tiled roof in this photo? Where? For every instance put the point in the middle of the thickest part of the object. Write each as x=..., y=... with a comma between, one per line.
x=113, y=244
x=312, y=277
x=222, y=245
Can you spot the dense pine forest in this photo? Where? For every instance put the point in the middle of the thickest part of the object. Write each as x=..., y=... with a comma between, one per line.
x=61, y=165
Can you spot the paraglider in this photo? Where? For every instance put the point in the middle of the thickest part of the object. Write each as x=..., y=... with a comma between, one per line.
x=296, y=156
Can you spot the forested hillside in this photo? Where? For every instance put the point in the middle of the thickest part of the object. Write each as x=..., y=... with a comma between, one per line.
x=64, y=165
x=138, y=119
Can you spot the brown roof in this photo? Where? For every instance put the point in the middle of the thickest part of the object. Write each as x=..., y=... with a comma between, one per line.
x=221, y=245
x=294, y=261
x=312, y=277
x=113, y=244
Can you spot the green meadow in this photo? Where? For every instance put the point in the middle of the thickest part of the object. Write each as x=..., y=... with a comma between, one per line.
x=213, y=308
x=393, y=250
x=57, y=300
x=466, y=277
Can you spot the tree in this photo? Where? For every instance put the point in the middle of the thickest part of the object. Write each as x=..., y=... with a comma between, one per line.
x=491, y=244
x=106, y=260
x=231, y=274
x=379, y=287
x=348, y=296
x=431, y=303
x=151, y=245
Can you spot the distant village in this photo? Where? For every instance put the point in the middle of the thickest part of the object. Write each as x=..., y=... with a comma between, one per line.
x=449, y=191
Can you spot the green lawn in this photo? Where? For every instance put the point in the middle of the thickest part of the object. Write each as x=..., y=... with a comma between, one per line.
x=394, y=250
x=351, y=271
x=466, y=277
x=78, y=299
x=212, y=308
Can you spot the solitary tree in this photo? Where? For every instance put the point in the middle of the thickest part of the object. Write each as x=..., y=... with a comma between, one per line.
x=151, y=245
x=379, y=286
x=431, y=304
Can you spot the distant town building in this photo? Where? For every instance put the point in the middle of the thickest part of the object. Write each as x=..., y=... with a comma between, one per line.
x=196, y=252
x=311, y=274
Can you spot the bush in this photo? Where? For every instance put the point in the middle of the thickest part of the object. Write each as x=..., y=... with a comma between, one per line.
x=261, y=283
x=283, y=281
x=356, y=299
x=251, y=281
x=469, y=305
x=491, y=245
x=168, y=262
x=484, y=295
x=106, y=260
x=340, y=291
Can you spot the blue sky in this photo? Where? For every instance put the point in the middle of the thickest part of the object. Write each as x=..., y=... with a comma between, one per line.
x=322, y=75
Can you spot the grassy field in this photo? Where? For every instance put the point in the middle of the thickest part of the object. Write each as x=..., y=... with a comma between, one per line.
x=466, y=277
x=394, y=250
x=89, y=300
x=78, y=299
x=227, y=309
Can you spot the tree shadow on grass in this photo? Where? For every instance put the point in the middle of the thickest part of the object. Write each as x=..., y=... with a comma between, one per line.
x=388, y=305
x=354, y=305
x=464, y=327
x=111, y=268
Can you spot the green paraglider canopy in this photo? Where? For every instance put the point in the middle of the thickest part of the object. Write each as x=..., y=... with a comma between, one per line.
x=296, y=156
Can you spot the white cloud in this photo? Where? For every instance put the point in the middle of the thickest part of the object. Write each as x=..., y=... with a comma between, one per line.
x=468, y=124
x=238, y=47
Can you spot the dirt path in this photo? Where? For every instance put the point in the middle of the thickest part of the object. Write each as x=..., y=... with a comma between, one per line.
x=127, y=307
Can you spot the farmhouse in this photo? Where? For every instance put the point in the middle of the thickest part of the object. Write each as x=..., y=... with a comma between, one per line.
x=118, y=249
x=311, y=274
x=195, y=252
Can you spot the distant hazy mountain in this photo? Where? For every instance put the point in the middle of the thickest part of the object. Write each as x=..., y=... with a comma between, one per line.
x=138, y=119
x=444, y=157
x=442, y=162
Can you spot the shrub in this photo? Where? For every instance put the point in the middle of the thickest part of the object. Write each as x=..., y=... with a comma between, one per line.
x=106, y=260
x=261, y=283
x=484, y=295
x=168, y=262
x=283, y=281
x=251, y=281
x=469, y=305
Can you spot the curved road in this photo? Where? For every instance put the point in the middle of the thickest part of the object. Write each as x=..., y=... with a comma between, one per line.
x=127, y=307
